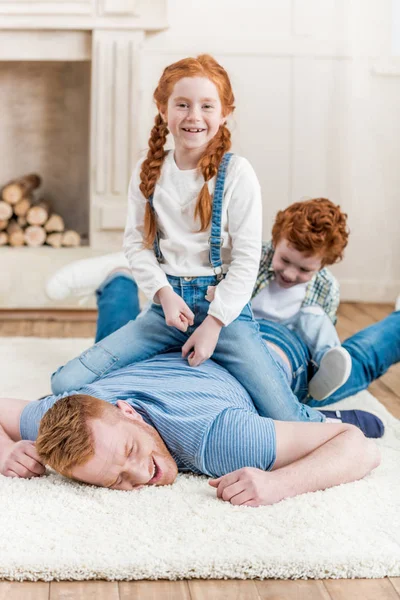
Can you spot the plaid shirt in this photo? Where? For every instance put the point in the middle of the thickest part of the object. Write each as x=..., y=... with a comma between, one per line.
x=322, y=289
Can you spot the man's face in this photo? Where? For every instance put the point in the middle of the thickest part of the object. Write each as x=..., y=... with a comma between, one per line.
x=129, y=454
x=292, y=266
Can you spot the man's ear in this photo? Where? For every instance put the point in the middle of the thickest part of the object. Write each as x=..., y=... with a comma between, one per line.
x=128, y=411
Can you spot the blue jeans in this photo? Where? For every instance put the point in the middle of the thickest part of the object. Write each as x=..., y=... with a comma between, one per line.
x=240, y=348
x=373, y=350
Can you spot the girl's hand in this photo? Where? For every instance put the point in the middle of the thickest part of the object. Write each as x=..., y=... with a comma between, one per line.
x=203, y=341
x=176, y=311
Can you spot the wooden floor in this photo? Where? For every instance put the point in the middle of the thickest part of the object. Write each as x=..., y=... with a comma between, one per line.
x=352, y=318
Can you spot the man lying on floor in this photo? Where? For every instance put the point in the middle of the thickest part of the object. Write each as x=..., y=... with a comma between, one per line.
x=139, y=425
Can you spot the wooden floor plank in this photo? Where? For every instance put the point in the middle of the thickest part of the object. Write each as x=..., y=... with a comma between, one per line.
x=377, y=311
x=389, y=399
x=85, y=330
x=392, y=378
x=215, y=589
x=311, y=589
x=154, y=590
x=48, y=315
x=361, y=589
x=25, y=590
x=358, y=318
x=395, y=581
x=84, y=590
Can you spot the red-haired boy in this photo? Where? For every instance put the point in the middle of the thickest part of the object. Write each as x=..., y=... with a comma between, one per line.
x=295, y=288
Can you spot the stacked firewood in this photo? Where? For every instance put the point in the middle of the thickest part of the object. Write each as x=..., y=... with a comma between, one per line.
x=30, y=222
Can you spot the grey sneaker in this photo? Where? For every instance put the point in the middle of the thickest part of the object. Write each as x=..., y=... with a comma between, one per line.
x=333, y=372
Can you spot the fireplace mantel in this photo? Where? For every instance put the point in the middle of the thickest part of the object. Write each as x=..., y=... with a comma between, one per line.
x=109, y=34
x=147, y=15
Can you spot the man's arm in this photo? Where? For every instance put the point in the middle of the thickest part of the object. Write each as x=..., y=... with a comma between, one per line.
x=18, y=458
x=309, y=457
x=10, y=415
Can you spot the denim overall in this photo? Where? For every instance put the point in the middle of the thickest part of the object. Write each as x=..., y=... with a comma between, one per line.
x=240, y=348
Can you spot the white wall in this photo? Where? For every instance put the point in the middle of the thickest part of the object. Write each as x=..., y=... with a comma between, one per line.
x=317, y=91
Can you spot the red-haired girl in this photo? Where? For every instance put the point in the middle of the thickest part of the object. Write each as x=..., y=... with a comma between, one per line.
x=193, y=243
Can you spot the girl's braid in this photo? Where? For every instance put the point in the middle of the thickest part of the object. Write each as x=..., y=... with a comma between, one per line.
x=150, y=172
x=209, y=163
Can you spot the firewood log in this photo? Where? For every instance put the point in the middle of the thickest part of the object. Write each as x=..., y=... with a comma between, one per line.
x=17, y=189
x=6, y=211
x=54, y=239
x=22, y=207
x=38, y=214
x=71, y=239
x=35, y=236
x=22, y=221
x=3, y=238
x=3, y=224
x=55, y=223
x=16, y=235
x=13, y=226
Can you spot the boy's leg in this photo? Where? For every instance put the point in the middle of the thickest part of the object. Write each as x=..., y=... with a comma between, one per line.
x=373, y=350
x=333, y=361
x=117, y=302
x=314, y=326
x=244, y=354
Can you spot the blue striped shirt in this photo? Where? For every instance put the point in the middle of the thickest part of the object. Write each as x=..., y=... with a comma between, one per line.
x=204, y=415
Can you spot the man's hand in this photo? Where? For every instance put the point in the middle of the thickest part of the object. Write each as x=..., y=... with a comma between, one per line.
x=176, y=311
x=247, y=487
x=20, y=459
x=203, y=341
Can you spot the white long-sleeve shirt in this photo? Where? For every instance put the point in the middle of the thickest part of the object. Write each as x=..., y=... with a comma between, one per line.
x=185, y=249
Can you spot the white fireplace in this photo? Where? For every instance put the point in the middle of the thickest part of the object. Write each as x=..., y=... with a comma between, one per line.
x=70, y=83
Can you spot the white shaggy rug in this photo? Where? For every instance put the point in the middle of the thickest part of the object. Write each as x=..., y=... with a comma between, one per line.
x=52, y=528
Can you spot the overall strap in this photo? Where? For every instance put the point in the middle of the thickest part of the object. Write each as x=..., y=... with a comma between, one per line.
x=156, y=243
x=215, y=240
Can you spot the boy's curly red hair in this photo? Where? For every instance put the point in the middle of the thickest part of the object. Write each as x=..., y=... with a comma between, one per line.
x=314, y=226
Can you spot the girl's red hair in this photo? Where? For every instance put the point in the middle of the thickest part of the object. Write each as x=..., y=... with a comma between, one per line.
x=202, y=66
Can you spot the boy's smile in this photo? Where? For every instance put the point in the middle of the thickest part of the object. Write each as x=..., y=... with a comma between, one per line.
x=292, y=266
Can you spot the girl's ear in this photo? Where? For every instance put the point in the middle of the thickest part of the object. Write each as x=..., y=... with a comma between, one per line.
x=128, y=411
x=164, y=117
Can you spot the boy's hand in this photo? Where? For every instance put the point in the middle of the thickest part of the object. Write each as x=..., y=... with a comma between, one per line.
x=20, y=459
x=176, y=311
x=203, y=341
x=246, y=487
